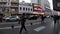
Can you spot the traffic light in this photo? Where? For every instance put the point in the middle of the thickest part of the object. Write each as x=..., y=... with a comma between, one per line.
x=56, y=5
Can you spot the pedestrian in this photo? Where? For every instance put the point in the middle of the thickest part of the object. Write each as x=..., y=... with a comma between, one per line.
x=56, y=23
x=23, y=20
x=55, y=18
x=31, y=23
x=12, y=26
x=42, y=18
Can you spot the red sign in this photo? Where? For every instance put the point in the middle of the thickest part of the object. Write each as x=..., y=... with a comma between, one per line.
x=37, y=8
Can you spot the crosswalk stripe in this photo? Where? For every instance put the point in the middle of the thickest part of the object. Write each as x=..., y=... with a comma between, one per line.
x=40, y=28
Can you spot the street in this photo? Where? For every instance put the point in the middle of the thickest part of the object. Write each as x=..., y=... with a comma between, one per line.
x=41, y=16
x=36, y=28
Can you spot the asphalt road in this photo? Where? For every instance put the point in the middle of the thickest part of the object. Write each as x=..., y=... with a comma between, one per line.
x=37, y=28
x=8, y=24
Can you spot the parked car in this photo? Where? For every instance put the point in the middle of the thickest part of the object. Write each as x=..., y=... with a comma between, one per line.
x=11, y=18
x=33, y=17
x=48, y=16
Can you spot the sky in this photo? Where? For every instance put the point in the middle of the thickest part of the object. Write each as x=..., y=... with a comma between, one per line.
x=48, y=0
x=51, y=4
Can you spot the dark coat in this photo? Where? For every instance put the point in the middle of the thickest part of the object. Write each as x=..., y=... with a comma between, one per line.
x=43, y=17
x=56, y=17
x=22, y=19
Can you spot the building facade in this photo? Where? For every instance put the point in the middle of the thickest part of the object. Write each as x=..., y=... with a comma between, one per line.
x=44, y=4
x=25, y=8
x=9, y=6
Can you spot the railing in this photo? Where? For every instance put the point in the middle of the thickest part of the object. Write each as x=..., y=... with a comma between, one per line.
x=14, y=6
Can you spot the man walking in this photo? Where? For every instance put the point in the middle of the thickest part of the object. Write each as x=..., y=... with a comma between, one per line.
x=42, y=18
x=23, y=20
x=55, y=17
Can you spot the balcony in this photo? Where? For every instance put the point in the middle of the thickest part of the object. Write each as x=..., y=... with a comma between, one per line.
x=6, y=6
x=2, y=5
x=3, y=1
x=14, y=5
x=15, y=1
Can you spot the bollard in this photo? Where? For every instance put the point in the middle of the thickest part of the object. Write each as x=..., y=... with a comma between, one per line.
x=31, y=23
x=12, y=26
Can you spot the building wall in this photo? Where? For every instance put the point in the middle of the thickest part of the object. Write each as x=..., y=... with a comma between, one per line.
x=3, y=0
x=42, y=3
x=21, y=10
x=9, y=5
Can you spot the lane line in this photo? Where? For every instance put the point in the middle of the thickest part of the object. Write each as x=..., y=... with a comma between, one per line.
x=39, y=28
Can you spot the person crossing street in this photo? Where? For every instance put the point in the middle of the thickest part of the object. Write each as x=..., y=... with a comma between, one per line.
x=23, y=20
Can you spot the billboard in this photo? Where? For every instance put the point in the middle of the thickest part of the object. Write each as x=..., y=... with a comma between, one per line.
x=56, y=5
x=36, y=7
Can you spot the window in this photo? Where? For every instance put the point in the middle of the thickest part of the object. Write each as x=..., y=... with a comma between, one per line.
x=28, y=9
x=20, y=8
x=23, y=8
x=8, y=3
x=31, y=9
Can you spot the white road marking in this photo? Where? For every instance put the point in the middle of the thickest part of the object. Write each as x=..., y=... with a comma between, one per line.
x=37, y=23
x=40, y=28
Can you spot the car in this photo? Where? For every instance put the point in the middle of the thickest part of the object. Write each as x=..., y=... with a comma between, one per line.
x=11, y=18
x=48, y=16
x=33, y=17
